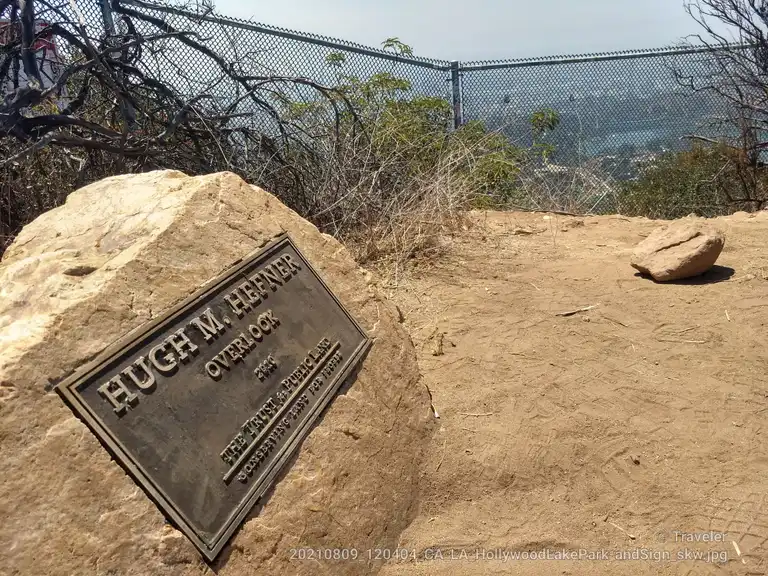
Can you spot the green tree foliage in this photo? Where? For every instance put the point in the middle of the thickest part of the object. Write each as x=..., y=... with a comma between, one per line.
x=412, y=134
x=708, y=180
x=543, y=122
x=400, y=148
x=396, y=46
x=335, y=59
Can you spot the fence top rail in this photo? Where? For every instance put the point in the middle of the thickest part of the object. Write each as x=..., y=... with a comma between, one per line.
x=597, y=57
x=432, y=63
x=293, y=35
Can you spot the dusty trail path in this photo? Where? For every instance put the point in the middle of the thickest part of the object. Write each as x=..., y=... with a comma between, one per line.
x=608, y=429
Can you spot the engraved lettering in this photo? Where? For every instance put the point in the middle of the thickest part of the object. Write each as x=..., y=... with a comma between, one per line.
x=233, y=353
x=248, y=291
x=290, y=262
x=251, y=427
x=236, y=303
x=228, y=456
x=279, y=265
x=266, y=368
x=264, y=324
x=258, y=423
x=114, y=390
x=269, y=274
x=289, y=383
x=221, y=359
x=208, y=325
x=241, y=346
x=332, y=363
x=255, y=281
x=256, y=333
x=181, y=343
x=142, y=384
x=213, y=370
x=168, y=364
x=317, y=383
x=234, y=449
x=275, y=413
x=240, y=386
x=272, y=319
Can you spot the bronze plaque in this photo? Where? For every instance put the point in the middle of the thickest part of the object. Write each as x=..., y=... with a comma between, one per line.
x=203, y=406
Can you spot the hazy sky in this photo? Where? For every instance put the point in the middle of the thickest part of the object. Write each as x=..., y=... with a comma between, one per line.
x=481, y=29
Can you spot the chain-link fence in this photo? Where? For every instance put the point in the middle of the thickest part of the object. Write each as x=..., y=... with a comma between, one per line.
x=616, y=112
x=261, y=50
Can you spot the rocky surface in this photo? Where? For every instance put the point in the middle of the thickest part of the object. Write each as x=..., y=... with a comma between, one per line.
x=678, y=250
x=117, y=254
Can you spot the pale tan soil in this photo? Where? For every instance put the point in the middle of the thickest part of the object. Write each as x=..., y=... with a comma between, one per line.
x=645, y=415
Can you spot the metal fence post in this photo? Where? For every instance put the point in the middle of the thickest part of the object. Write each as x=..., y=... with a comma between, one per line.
x=106, y=15
x=456, y=90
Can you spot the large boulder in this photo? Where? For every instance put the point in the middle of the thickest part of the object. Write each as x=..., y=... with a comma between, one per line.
x=118, y=253
x=678, y=250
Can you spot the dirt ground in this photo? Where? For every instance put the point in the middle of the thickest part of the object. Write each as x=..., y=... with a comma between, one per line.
x=614, y=435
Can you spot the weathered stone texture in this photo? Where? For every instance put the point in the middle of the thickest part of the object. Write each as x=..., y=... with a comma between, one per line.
x=678, y=250
x=118, y=253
